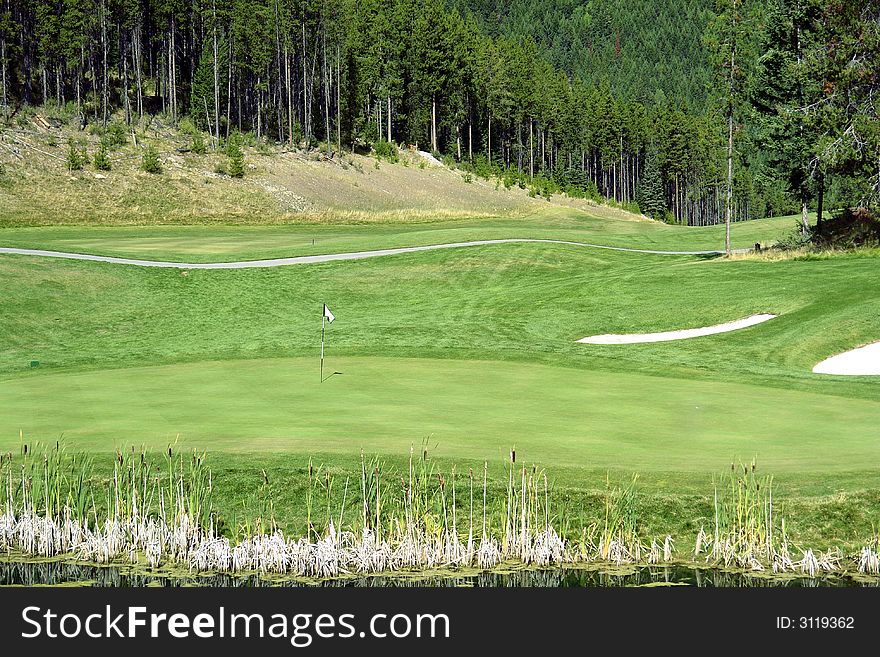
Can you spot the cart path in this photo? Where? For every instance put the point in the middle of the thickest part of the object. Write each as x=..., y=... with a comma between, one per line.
x=329, y=257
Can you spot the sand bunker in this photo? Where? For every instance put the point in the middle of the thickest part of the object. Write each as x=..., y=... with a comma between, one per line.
x=864, y=361
x=632, y=338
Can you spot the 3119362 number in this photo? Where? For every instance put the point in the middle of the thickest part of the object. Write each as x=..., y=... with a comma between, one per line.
x=815, y=622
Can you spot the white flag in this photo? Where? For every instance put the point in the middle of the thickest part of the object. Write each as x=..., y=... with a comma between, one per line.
x=328, y=314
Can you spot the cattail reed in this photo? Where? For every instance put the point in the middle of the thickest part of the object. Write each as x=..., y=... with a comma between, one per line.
x=56, y=505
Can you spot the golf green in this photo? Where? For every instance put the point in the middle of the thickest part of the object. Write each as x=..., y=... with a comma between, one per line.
x=470, y=409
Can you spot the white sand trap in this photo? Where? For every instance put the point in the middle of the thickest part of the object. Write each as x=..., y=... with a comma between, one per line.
x=632, y=338
x=864, y=361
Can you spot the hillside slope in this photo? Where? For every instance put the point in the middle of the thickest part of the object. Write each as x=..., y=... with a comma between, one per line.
x=280, y=185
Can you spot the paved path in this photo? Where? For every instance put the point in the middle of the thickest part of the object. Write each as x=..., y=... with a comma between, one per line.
x=329, y=257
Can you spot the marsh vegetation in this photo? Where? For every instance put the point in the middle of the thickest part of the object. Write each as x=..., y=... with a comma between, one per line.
x=159, y=512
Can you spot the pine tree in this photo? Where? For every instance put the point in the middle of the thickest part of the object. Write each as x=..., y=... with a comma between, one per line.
x=651, y=198
x=202, y=97
x=236, y=158
x=785, y=94
x=150, y=161
x=849, y=67
x=102, y=158
x=76, y=156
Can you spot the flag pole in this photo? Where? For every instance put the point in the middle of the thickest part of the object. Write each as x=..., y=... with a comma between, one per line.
x=323, y=318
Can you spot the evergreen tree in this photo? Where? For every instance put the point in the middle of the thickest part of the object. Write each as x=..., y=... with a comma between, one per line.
x=76, y=156
x=236, y=158
x=563, y=91
x=847, y=115
x=202, y=108
x=102, y=159
x=651, y=198
x=727, y=41
x=785, y=95
x=150, y=161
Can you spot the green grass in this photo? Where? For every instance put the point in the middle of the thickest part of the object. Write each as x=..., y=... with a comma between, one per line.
x=523, y=302
x=219, y=243
x=474, y=348
x=472, y=409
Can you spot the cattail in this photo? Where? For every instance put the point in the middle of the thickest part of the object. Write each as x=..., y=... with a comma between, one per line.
x=513, y=455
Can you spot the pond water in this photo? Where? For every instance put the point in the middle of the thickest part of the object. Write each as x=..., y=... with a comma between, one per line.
x=54, y=573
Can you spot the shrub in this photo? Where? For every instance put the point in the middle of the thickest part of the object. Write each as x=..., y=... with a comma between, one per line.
x=385, y=150
x=220, y=169
x=198, y=143
x=150, y=161
x=115, y=135
x=482, y=167
x=102, y=160
x=76, y=156
x=187, y=126
x=2, y=170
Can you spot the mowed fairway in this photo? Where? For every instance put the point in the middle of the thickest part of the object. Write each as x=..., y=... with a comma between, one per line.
x=472, y=348
x=223, y=243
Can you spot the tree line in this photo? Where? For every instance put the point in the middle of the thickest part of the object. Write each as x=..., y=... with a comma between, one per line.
x=351, y=74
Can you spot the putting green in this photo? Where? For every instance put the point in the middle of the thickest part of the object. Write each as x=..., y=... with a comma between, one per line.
x=471, y=409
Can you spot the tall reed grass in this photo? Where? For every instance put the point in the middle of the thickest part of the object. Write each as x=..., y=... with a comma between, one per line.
x=749, y=533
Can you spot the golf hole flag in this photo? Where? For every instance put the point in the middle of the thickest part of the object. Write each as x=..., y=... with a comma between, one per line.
x=328, y=317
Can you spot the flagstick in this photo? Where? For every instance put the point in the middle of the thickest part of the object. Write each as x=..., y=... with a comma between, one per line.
x=323, y=318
